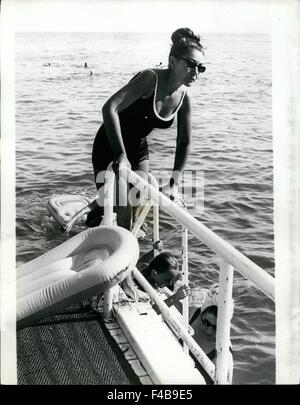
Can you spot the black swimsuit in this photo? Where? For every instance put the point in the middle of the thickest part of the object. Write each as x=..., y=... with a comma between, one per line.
x=136, y=121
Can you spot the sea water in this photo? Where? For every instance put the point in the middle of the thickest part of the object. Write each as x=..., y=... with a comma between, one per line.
x=58, y=112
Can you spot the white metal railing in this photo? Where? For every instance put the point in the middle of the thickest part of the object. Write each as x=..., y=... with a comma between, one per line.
x=241, y=263
x=223, y=323
x=230, y=259
x=185, y=279
x=176, y=325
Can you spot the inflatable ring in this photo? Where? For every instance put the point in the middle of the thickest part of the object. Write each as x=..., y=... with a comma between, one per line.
x=84, y=266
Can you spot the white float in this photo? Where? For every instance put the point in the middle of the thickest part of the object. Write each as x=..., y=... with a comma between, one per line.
x=64, y=207
x=85, y=265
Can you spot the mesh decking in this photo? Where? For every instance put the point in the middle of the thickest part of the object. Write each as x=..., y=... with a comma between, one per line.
x=73, y=347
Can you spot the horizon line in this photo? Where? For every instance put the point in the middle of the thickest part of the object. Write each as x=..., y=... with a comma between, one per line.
x=136, y=32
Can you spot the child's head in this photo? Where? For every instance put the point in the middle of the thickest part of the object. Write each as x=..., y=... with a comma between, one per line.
x=164, y=270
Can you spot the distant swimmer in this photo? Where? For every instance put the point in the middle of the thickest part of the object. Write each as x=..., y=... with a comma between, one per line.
x=47, y=64
x=91, y=72
x=160, y=64
x=85, y=65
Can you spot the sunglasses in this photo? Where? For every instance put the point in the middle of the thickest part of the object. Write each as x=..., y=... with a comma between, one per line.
x=207, y=323
x=192, y=65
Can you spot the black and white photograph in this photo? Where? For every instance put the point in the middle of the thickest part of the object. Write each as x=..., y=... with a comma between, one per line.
x=150, y=194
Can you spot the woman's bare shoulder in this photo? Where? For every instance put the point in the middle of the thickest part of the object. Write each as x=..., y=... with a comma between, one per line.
x=145, y=81
x=157, y=73
x=147, y=75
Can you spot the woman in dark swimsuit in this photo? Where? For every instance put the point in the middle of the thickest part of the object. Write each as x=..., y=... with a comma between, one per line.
x=150, y=100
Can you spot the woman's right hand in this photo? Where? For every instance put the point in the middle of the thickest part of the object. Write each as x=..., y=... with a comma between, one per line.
x=122, y=160
x=182, y=292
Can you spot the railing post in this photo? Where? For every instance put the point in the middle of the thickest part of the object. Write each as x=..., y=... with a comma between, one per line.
x=185, y=279
x=154, y=183
x=223, y=364
x=141, y=218
x=108, y=219
x=108, y=305
x=109, y=184
x=155, y=226
x=175, y=324
x=263, y=280
x=144, y=212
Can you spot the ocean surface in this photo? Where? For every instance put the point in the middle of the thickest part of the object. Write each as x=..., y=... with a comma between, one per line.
x=58, y=112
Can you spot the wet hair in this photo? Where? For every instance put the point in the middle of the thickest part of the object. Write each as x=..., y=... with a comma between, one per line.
x=164, y=262
x=213, y=309
x=184, y=39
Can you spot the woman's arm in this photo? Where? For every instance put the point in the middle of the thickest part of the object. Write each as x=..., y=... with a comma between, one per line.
x=147, y=257
x=180, y=294
x=183, y=140
x=174, y=299
x=140, y=86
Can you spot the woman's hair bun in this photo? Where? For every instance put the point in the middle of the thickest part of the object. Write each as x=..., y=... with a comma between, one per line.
x=183, y=39
x=183, y=35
